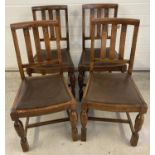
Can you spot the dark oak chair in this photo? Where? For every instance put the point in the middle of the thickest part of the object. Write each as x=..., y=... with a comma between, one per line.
x=113, y=92
x=89, y=12
x=59, y=12
x=42, y=94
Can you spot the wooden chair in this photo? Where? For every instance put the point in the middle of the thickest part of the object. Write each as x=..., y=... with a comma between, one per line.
x=59, y=12
x=90, y=11
x=42, y=94
x=113, y=92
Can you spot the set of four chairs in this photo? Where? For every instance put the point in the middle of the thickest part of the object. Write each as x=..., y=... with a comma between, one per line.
x=50, y=93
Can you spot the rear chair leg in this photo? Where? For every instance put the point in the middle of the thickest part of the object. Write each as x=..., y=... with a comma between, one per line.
x=73, y=120
x=21, y=133
x=138, y=125
x=72, y=81
x=80, y=82
x=84, y=119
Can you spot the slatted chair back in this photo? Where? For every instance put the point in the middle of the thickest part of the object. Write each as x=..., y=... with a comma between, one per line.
x=31, y=33
x=53, y=12
x=112, y=58
x=91, y=11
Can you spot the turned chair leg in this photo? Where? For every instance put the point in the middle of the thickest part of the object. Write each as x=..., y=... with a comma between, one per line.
x=138, y=125
x=84, y=119
x=73, y=120
x=72, y=81
x=80, y=82
x=21, y=133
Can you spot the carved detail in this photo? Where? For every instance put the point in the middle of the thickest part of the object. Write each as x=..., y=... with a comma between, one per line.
x=21, y=133
x=138, y=125
x=84, y=119
x=73, y=120
x=72, y=82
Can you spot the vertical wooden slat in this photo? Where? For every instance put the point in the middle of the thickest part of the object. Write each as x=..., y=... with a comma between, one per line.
x=47, y=42
x=99, y=25
x=106, y=15
x=83, y=28
x=115, y=11
x=67, y=28
x=59, y=20
x=34, y=15
x=58, y=44
x=133, y=48
x=92, y=14
x=122, y=41
x=103, y=42
x=51, y=27
x=19, y=60
x=37, y=43
x=113, y=42
x=92, y=47
x=106, y=12
x=28, y=45
x=43, y=14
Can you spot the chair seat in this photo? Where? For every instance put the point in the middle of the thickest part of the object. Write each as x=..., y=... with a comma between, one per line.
x=66, y=58
x=42, y=91
x=85, y=60
x=114, y=89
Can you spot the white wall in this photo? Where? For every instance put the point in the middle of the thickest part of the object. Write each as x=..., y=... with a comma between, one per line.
x=20, y=10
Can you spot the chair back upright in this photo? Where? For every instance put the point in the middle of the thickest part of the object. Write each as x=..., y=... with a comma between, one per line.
x=54, y=12
x=31, y=32
x=112, y=58
x=91, y=11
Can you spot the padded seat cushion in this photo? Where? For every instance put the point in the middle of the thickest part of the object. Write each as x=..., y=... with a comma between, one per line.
x=113, y=88
x=42, y=91
x=85, y=59
x=66, y=59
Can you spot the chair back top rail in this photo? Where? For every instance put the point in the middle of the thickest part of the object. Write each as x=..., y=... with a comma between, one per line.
x=113, y=58
x=31, y=32
x=96, y=11
x=53, y=12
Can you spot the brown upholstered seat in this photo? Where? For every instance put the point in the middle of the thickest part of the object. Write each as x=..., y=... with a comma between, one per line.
x=66, y=58
x=114, y=89
x=38, y=92
x=85, y=58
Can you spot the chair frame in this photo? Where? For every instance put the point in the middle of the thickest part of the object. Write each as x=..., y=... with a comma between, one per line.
x=83, y=68
x=112, y=107
x=69, y=106
x=57, y=9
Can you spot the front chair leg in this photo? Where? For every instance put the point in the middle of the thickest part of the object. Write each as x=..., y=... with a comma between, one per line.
x=138, y=125
x=21, y=133
x=80, y=82
x=72, y=81
x=73, y=120
x=84, y=119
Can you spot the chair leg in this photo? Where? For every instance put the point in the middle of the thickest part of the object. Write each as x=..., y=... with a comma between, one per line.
x=138, y=125
x=72, y=81
x=73, y=120
x=21, y=133
x=124, y=68
x=84, y=119
x=29, y=72
x=80, y=82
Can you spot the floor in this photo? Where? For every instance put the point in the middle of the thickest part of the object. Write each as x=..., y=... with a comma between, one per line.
x=103, y=138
